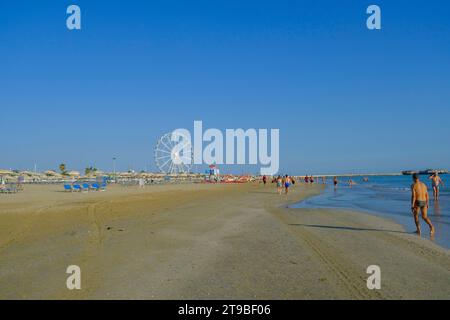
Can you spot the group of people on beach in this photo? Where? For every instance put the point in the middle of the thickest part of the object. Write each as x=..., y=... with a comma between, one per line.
x=283, y=183
x=286, y=181
x=419, y=193
x=312, y=179
x=323, y=180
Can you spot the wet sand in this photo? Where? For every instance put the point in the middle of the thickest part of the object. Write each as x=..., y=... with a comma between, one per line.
x=206, y=242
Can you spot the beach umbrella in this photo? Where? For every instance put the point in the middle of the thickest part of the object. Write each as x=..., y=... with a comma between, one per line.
x=26, y=173
x=74, y=173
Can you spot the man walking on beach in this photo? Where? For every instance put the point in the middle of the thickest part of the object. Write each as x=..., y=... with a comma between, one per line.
x=420, y=201
x=436, y=181
x=287, y=184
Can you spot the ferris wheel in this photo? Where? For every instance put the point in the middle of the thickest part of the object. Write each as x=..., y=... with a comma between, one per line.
x=170, y=157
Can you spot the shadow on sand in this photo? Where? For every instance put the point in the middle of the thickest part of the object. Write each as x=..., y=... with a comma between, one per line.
x=265, y=192
x=346, y=228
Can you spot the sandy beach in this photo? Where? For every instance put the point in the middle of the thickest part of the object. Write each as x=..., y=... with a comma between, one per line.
x=198, y=241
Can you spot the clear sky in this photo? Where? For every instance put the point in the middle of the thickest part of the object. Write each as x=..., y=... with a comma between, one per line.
x=346, y=99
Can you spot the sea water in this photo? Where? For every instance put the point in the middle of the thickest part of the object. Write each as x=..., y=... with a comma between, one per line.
x=387, y=196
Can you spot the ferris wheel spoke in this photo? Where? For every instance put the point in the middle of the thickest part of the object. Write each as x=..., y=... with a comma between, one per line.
x=164, y=151
x=168, y=147
x=163, y=165
x=163, y=157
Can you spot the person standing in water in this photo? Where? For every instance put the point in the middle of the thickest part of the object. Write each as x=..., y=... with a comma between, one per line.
x=350, y=182
x=335, y=182
x=436, y=181
x=420, y=202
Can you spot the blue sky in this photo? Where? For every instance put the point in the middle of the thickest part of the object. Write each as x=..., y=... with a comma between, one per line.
x=346, y=99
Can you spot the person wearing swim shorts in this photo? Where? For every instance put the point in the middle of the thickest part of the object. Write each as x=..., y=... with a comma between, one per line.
x=420, y=202
x=436, y=181
x=287, y=184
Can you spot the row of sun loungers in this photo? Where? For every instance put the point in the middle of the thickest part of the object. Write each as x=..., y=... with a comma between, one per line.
x=10, y=189
x=85, y=187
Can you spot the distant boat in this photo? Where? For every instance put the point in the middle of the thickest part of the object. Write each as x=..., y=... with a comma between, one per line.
x=433, y=171
x=409, y=172
x=424, y=172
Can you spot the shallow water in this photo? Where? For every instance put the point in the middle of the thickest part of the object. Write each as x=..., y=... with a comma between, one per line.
x=387, y=196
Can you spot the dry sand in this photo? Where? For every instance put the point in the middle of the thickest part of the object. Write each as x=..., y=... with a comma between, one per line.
x=206, y=242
